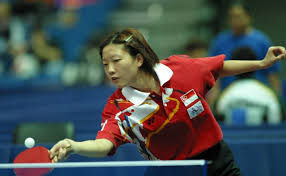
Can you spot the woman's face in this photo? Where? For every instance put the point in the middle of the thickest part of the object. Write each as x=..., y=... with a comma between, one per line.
x=120, y=67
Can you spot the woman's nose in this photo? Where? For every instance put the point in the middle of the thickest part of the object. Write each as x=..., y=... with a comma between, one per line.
x=110, y=69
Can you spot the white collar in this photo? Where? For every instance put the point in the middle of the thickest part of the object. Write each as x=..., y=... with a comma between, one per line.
x=137, y=97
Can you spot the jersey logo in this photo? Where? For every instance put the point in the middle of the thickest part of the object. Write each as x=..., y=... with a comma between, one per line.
x=189, y=97
x=196, y=109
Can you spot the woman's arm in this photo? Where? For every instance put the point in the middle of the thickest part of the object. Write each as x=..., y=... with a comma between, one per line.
x=90, y=148
x=234, y=67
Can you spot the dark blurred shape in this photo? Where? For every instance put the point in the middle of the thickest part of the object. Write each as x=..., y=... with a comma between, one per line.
x=43, y=132
x=196, y=48
x=244, y=53
x=25, y=7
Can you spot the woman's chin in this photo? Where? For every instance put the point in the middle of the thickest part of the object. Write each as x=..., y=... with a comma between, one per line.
x=120, y=85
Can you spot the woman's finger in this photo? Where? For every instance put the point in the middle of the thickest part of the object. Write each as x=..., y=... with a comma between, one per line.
x=282, y=56
x=55, y=159
x=55, y=149
x=277, y=51
x=61, y=154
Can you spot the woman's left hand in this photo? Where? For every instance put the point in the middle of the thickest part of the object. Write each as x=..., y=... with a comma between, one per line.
x=274, y=54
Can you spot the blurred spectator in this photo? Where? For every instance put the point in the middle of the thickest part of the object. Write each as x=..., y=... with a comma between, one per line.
x=47, y=53
x=91, y=64
x=68, y=32
x=58, y=47
x=25, y=65
x=13, y=53
x=242, y=33
x=89, y=70
x=247, y=100
x=76, y=21
x=196, y=48
x=6, y=60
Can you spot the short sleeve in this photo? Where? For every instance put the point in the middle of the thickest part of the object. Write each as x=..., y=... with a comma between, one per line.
x=110, y=129
x=198, y=73
x=214, y=65
x=211, y=67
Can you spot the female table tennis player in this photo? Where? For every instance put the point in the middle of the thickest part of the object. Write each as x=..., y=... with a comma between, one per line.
x=160, y=105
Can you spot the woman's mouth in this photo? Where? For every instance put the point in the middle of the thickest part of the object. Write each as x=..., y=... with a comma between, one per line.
x=114, y=79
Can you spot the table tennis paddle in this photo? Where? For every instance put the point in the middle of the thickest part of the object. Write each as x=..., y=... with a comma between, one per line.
x=37, y=154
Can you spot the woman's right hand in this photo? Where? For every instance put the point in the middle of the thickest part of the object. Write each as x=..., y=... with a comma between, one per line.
x=274, y=54
x=61, y=150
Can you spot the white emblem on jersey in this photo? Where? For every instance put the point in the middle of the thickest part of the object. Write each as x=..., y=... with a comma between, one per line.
x=196, y=109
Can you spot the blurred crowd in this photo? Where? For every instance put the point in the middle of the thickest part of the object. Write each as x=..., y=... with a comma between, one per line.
x=57, y=42
x=52, y=40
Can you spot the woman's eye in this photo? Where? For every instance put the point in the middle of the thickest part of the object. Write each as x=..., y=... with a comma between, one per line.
x=116, y=60
x=105, y=65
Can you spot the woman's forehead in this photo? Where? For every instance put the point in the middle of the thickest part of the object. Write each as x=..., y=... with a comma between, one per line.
x=112, y=49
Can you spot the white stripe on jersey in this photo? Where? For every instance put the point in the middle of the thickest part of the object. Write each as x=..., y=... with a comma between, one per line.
x=103, y=125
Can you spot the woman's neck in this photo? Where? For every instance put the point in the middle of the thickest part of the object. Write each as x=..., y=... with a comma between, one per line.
x=147, y=83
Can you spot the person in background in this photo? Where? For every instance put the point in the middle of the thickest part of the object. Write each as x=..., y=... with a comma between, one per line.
x=90, y=70
x=12, y=40
x=248, y=101
x=68, y=33
x=160, y=105
x=47, y=52
x=196, y=48
x=242, y=33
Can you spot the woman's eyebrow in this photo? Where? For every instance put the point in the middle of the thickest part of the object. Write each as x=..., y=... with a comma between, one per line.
x=111, y=57
x=115, y=55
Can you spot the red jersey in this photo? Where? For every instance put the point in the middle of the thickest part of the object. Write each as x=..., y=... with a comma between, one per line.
x=176, y=125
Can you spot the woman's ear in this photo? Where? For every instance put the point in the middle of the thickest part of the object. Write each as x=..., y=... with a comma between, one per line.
x=139, y=59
